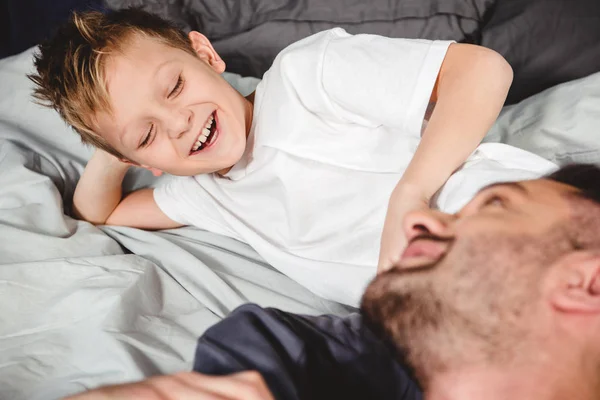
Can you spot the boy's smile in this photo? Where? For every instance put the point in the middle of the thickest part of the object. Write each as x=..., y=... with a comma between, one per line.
x=172, y=111
x=207, y=135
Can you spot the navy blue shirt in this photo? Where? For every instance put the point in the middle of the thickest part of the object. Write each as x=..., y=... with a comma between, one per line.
x=305, y=358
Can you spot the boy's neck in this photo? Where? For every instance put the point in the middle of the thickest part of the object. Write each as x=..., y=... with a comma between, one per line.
x=249, y=112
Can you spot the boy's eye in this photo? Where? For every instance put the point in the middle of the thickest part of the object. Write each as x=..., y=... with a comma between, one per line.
x=177, y=89
x=146, y=140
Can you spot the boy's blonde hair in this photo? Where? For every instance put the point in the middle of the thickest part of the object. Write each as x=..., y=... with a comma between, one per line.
x=71, y=66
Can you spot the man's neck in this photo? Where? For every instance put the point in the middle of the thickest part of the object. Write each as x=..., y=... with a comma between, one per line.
x=510, y=384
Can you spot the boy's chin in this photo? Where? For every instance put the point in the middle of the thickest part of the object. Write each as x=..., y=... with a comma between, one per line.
x=227, y=162
x=221, y=170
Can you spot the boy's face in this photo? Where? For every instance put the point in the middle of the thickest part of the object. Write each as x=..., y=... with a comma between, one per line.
x=172, y=111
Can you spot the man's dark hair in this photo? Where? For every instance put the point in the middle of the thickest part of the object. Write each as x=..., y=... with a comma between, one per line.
x=585, y=177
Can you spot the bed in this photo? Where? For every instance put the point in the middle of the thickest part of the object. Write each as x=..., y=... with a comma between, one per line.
x=82, y=306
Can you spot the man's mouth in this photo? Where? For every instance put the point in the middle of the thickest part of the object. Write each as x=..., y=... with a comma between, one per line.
x=424, y=249
x=207, y=135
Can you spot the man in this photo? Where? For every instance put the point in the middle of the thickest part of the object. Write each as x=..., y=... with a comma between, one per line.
x=499, y=301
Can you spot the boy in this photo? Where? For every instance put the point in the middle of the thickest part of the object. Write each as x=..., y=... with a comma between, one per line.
x=335, y=129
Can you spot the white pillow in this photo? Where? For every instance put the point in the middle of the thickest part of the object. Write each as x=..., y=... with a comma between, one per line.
x=561, y=124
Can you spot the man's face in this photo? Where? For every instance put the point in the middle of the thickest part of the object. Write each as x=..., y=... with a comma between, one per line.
x=165, y=102
x=465, y=282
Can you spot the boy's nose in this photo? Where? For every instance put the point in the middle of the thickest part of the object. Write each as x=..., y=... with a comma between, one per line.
x=180, y=123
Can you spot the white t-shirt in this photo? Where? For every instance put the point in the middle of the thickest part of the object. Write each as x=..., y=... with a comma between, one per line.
x=336, y=121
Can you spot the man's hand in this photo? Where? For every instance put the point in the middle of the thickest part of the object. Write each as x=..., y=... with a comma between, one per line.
x=186, y=386
x=404, y=199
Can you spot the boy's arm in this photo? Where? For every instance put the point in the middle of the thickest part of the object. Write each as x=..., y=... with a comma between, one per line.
x=98, y=197
x=469, y=93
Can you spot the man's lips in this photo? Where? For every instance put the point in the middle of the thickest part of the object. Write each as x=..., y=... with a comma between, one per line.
x=425, y=249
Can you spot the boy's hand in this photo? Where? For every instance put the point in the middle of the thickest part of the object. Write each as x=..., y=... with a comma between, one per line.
x=98, y=197
x=404, y=199
x=109, y=160
x=186, y=386
x=98, y=191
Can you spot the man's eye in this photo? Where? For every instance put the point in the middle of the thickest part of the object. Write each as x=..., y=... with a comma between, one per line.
x=177, y=89
x=493, y=201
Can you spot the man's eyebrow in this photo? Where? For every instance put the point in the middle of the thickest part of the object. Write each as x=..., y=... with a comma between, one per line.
x=514, y=185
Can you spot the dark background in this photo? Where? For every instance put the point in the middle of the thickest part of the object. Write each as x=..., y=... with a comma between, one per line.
x=547, y=42
x=23, y=23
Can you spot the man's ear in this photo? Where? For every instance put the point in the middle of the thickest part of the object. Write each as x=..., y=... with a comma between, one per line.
x=578, y=288
x=206, y=52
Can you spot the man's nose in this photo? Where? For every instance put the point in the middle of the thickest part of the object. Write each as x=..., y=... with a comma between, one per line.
x=429, y=222
x=178, y=123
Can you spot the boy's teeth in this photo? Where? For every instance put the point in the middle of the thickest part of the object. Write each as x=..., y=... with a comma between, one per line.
x=209, y=122
x=205, y=133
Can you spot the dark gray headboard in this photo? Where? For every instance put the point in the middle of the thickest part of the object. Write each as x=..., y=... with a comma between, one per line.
x=546, y=41
x=248, y=34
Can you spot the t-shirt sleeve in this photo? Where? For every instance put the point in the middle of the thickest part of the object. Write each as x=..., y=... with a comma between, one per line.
x=383, y=80
x=185, y=201
x=304, y=358
x=367, y=79
x=168, y=197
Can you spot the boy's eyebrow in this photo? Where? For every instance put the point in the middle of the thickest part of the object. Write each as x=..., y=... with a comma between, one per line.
x=125, y=133
x=161, y=66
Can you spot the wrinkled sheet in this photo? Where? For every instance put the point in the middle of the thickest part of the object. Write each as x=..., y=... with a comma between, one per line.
x=82, y=306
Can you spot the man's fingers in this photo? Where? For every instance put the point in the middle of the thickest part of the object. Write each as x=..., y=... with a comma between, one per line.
x=247, y=385
x=257, y=381
x=128, y=391
x=186, y=386
x=168, y=387
x=173, y=387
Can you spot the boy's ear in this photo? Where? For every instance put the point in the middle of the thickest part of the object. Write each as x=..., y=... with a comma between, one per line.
x=206, y=52
x=128, y=162
x=155, y=171
x=578, y=286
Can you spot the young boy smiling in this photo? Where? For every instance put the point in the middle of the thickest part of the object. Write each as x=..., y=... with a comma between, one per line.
x=299, y=169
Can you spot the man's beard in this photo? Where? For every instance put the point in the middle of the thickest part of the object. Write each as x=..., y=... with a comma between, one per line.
x=468, y=308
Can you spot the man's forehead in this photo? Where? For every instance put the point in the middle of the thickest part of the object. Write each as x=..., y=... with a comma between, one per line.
x=534, y=186
x=542, y=192
x=520, y=186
